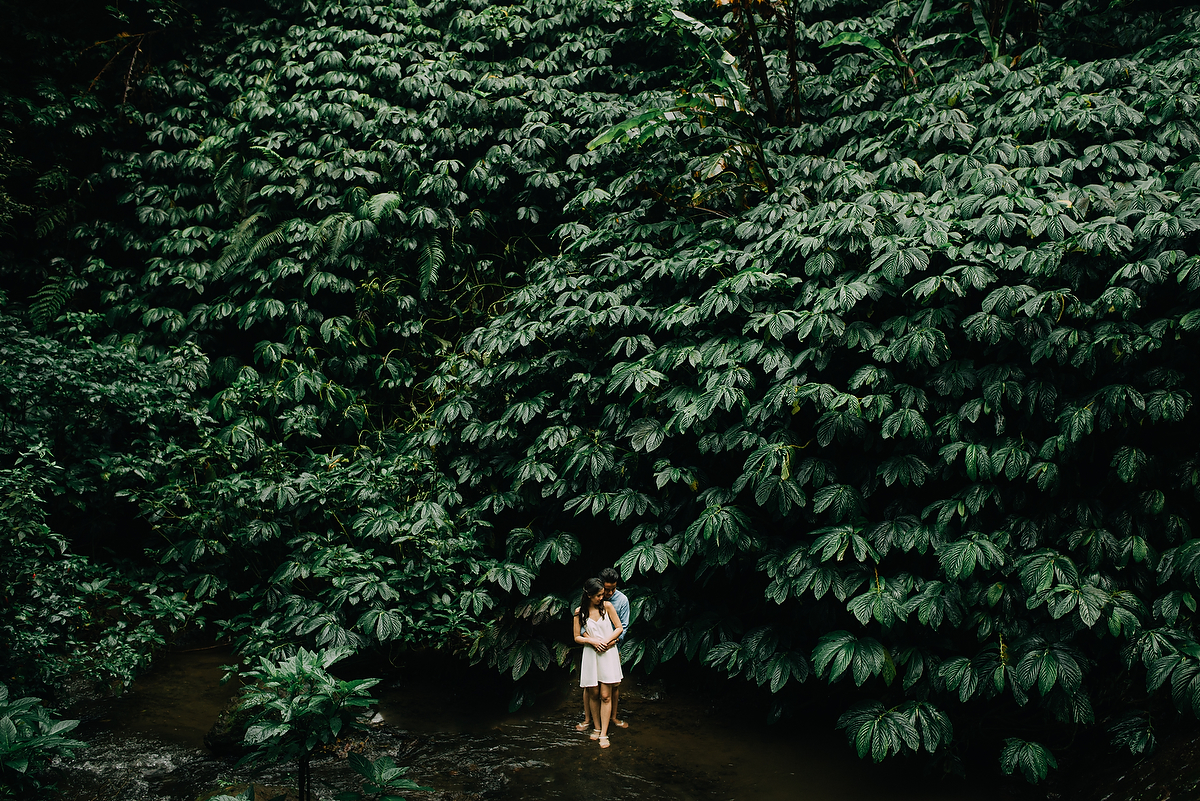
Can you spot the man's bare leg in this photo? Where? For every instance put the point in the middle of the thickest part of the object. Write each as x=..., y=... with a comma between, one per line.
x=616, y=696
x=594, y=703
x=587, y=714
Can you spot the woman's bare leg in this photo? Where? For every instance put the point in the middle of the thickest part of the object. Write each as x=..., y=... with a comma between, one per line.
x=605, y=708
x=594, y=705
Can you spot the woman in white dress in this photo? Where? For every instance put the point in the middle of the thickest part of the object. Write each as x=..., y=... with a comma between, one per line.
x=597, y=628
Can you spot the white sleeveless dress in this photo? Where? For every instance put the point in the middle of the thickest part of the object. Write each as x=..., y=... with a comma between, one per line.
x=597, y=668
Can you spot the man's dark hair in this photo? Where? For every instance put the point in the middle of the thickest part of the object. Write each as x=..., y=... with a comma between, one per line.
x=610, y=576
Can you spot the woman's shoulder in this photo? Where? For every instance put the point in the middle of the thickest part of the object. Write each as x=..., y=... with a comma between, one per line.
x=608, y=605
x=575, y=611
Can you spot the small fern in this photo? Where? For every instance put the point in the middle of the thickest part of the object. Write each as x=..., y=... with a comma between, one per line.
x=429, y=262
x=51, y=299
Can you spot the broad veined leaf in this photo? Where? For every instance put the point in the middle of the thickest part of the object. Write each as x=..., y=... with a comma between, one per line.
x=879, y=731
x=1033, y=759
x=864, y=657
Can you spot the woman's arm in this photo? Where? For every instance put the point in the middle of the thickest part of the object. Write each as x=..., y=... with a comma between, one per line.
x=580, y=638
x=616, y=622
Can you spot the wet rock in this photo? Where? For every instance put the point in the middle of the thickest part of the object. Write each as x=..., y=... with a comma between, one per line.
x=225, y=736
x=170, y=781
x=649, y=692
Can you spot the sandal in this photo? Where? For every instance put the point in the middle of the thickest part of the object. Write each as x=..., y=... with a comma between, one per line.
x=595, y=735
x=604, y=741
x=620, y=724
x=583, y=726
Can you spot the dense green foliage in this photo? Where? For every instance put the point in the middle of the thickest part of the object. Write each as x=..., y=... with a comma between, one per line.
x=83, y=422
x=860, y=336
x=309, y=217
x=914, y=367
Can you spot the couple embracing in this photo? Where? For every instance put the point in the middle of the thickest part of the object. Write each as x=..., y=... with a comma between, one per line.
x=601, y=622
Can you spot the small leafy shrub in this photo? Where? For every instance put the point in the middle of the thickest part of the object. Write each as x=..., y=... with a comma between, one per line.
x=29, y=736
x=382, y=777
x=299, y=707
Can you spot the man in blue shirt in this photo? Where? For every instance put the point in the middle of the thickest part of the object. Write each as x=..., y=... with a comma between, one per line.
x=610, y=578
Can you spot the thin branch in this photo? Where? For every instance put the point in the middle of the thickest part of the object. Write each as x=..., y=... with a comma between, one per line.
x=756, y=47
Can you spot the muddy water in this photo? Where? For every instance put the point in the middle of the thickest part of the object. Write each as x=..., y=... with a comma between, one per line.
x=678, y=746
x=148, y=746
x=177, y=701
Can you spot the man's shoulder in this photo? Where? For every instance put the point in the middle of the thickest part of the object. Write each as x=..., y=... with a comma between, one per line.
x=619, y=596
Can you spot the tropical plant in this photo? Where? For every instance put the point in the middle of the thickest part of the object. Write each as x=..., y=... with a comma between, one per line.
x=29, y=737
x=1033, y=759
x=295, y=705
x=382, y=778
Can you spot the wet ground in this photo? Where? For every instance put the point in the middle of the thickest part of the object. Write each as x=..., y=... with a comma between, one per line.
x=148, y=746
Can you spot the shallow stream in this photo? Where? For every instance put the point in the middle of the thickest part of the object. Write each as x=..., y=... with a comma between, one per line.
x=148, y=746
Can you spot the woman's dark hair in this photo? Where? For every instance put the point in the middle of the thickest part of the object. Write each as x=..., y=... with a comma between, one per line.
x=609, y=576
x=590, y=588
